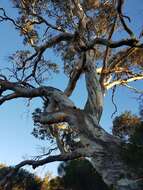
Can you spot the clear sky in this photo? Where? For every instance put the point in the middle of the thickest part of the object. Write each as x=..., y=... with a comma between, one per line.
x=16, y=125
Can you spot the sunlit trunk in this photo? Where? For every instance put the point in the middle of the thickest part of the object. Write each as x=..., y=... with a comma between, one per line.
x=106, y=149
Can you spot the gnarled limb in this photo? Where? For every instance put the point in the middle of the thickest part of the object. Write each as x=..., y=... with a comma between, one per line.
x=20, y=91
x=53, y=117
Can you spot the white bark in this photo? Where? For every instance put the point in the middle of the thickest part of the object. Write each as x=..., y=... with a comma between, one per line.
x=107, y=159
x=123, y=81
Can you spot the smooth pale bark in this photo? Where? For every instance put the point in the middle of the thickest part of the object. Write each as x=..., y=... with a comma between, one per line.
x=108, y=161
x=106, y=155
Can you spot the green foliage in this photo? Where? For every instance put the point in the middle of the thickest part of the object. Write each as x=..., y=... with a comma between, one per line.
x=39, y=131
x=80, y=175
x=125, y=124
x=133, y=150
x=129, y=127
x=56, y=184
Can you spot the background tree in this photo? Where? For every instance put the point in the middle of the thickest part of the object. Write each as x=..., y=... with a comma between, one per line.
x=56, y=184
x=80, y=175
x=125, y=125
x=83, y=34
x=23, y=180
x=130, y=128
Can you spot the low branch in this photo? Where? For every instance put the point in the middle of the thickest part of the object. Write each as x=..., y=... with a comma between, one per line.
x=20, y=91
x=35, y=164
x=51, y=117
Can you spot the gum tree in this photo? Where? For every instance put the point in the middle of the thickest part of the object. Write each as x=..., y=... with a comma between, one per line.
x=83, y=34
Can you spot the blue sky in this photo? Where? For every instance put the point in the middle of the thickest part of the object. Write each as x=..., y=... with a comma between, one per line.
x=16, y=125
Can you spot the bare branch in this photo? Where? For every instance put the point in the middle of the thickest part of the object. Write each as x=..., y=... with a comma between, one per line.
x=43, y=20
x=113, y=101
x=5, y=17
x=41, y=49
x=35, y=164
x=133, y=89
x=38, y=58
x=45, y=154
x=113, y=44
x=121, y=16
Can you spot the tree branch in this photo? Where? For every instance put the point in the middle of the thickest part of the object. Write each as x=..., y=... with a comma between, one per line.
x=115, y=62
x=34, y=164
x=133, y=89
x=5, y=18
x=121, y=16
x=56, y=39
x=74, y=77
x=112, y=44
x=52, y=117
x=39, y=51
x=43, y=20
x=105, y=60
x=20, y=91
x=8, y=97
x=123, y=81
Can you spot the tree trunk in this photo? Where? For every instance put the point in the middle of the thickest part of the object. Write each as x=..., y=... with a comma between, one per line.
x=105, y=149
